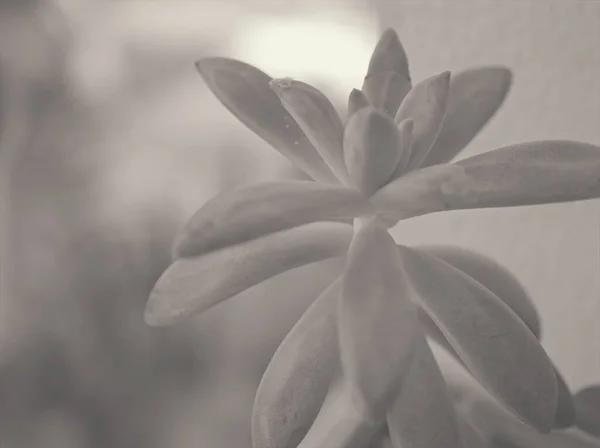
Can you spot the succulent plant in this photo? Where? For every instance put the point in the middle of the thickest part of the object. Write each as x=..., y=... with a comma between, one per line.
x=356, y=370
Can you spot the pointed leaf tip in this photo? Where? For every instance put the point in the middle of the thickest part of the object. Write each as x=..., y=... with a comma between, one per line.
x=356, y=101
x=371, y=149
x=318, y=118
x=246, y=92
x=388, y=79
x=389, y=56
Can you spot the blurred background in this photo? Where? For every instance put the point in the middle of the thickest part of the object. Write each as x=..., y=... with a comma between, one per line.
x=109, y=141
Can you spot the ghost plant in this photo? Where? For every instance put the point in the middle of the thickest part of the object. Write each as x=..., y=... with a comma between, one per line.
x=356, y=370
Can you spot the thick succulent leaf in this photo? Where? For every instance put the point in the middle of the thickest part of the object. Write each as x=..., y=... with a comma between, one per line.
x=319, y=120
x=192, y=285
x=340, y=422
x=494, y=277
x=371, y=149
x=298, y=377
x=532, y=173
x=502, y=429
x=416, y=193
x=475, y=96
x=494, y=344
x=565, y=407
x=422, y=415
x=376, y=318
x=245, y=91
x=426, y=104
x=522, y=437
x=587, y=402
x=388, y=78
x=527, y=174
x=250, y=212
x=405, y=130
x=356, y=101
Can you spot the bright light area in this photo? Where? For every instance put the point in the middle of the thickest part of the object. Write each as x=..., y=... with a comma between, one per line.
x=332, y=49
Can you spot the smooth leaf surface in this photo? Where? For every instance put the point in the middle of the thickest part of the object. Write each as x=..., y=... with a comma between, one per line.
x=376, y=318
x=388, y=79
x=245, y=91
x=504, y=430
x=250, y=212
x=298, y=376
x=416, y=193
x=474, y=97
x=340, y=423
x=405, y=130
x=319, y=120
x=426, y=105
x=494, y=344
x=371, y=149
x=564, y=416
x=494, y=277
x=356, y=101
x=531, y=173
x=192, y=285
x=422, y=416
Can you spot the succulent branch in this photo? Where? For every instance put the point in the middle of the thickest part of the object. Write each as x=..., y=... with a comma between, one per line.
x=357, y=369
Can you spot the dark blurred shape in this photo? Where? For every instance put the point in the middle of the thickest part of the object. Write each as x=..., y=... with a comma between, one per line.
x=587, y=403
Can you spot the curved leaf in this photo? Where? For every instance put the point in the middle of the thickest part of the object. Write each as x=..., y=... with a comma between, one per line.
x=564, y=416
x=245, y=91
x=388, y=78
x=527, y=174
x=376, y=322
x=298, y=376
x=371, y=149
x=192, y=285
x=474, y=97
x=495, y=345
x=319, y=120
x=498, y=426
x=532, y=173
x=494, y=277
x=250, y=212
x=416, y=193
x=426, y=104
x=340, y=423
x=405, y=130
x=422, y=416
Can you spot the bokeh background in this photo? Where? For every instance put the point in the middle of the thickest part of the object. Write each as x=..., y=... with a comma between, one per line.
x=109, y=141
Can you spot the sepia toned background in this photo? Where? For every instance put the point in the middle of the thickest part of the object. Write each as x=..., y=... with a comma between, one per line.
x=109, y=141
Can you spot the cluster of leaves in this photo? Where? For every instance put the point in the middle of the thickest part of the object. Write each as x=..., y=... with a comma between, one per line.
x=356, y=370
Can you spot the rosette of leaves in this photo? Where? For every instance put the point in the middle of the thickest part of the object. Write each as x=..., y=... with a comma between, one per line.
x=356, y=370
